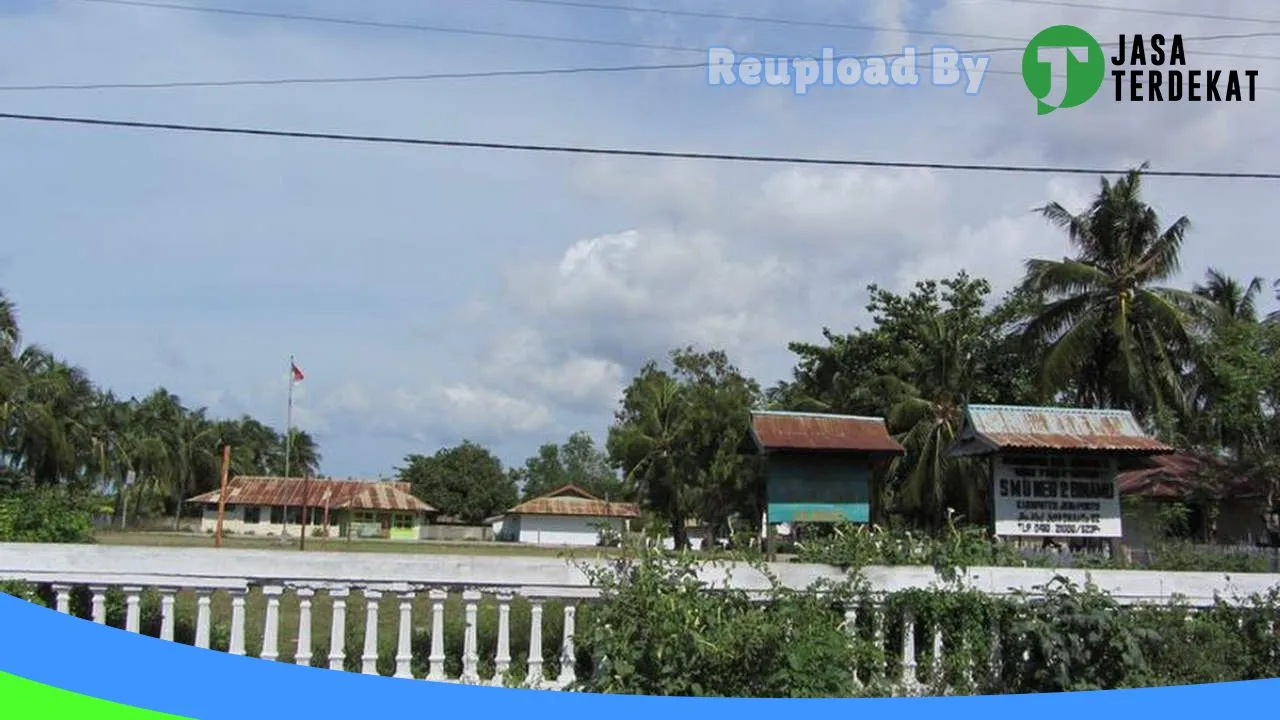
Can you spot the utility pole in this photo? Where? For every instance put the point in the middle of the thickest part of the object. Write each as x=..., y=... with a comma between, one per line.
x=222, y=495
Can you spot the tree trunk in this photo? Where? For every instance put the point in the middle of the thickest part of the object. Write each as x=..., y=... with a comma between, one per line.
x=177, y=509
x=679, y=534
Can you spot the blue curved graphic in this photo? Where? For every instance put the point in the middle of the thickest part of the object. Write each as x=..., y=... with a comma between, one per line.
x=46, y=647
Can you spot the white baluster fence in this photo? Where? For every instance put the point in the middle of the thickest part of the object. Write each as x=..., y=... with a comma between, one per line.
x=292, y=595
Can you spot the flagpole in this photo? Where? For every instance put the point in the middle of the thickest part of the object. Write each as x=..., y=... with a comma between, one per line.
x=288, y=421
x=288, y=440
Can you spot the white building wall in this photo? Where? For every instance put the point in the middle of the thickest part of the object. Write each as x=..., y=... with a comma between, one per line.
x=576, y=531
x=233, y=523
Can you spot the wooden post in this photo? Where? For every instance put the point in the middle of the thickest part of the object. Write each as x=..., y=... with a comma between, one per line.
x=222, y=495
x=991, y=493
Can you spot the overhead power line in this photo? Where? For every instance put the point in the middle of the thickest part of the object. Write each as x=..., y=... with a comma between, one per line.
x=625, y=152
x=387, y=25
x=417, y=77
x=371, y=79
x=795, y=22
x=1146, y=11
x=358, y=79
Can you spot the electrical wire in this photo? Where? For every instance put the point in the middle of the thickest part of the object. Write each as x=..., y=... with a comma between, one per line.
x=1145, y=11
x=409, y=77
x=793, y=22
x=624, y=152
x=386, y=25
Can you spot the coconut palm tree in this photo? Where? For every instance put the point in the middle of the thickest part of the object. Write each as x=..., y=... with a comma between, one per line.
x=644, y=441
x=1234, y=299
x=1113, y=336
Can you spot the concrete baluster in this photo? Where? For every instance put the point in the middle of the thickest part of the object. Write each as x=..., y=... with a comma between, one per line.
x=271, y=623
x=568, y=656
x=404, y=642
x=535, y=678
x=470, y=651
x=369, y=660
x=502, y=658
x=99, y=603
x=436, y=658
x=133, y=609
x=168, y=601
x=204, y=618
x=237, y=622
x=302, y=655
x=338, y=629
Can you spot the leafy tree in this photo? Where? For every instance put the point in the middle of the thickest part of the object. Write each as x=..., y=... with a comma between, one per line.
x=465, y=481
x=578, y=462
x=58, y=430
x=678, y=435
x=304, y=455
x=929, y=352
x=1114, y=336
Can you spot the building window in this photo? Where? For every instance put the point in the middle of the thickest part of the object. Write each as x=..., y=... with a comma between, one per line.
x=277, y=515
x=293, y=516
x=252, y=515
x=317, y=516
x=403, y=522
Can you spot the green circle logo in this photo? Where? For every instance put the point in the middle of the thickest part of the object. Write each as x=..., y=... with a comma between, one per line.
x=1063, y=67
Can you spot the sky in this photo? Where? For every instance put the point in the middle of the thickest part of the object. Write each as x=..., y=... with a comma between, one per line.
x=433, y=295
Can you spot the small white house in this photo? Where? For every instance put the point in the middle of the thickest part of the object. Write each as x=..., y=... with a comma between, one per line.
x=568, y=516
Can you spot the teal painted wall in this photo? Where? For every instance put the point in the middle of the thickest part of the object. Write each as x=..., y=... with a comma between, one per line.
x=818, y=488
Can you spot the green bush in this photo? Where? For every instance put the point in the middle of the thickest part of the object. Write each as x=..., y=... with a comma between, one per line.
x=959, y=547
x=657, y=631
x=45, y=514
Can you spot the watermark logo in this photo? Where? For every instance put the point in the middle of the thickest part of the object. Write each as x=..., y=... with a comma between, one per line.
x=1063, y=66
x=948, y=67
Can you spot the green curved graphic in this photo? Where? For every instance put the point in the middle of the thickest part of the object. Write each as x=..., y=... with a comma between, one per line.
x=24, y=698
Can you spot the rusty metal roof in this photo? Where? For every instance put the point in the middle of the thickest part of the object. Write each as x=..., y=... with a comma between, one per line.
x=993, y=428
x=320, y=492
x=772, y=431
x=1180, y=477
x=574, y=501
x=386, y=496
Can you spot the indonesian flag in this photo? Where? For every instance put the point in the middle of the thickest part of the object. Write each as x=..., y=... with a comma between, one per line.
x=297, y=374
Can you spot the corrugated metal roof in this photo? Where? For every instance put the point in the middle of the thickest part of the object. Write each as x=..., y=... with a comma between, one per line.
x=574, y=501
x=1178, y=477
x=320, y=492
x=385, y=496
x=773, y=430
x=1006, y=427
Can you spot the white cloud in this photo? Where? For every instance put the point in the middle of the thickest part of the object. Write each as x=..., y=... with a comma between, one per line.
x=488, y=410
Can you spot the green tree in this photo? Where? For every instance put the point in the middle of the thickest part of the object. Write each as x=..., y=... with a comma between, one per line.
x=678, y=437
x=304, y=455
x=929, y=352
x=578, y=462
x=465, y=481
x=1114, y=337
x=1235, y=300
x=58, y=429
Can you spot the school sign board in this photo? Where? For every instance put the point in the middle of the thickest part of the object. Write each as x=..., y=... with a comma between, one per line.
x=1056, y=497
